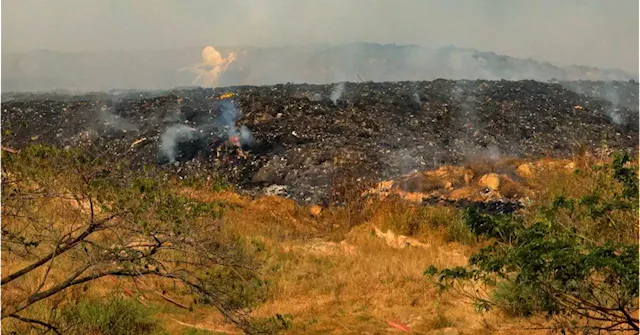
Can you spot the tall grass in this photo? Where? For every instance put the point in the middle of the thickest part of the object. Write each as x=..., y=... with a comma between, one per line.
x=113, y=316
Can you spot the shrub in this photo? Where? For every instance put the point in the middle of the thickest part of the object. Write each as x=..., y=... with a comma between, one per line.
x=551, y=267
x=75, y=215
x=114, y=316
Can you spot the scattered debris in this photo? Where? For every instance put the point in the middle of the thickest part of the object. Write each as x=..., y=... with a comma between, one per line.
x=279, y=190
x=398, y=325
x=136, y=142
x=13, y=151
x=300, y=138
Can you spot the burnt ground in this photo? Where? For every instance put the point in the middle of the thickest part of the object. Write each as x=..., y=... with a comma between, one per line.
x=303, y=140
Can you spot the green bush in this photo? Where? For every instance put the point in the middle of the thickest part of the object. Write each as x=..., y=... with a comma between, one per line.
x=515, y=300
x=114, y=316
x=551, y=267
x=58, y=204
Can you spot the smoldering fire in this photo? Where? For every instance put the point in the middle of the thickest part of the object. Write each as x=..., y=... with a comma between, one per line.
x=181, y=142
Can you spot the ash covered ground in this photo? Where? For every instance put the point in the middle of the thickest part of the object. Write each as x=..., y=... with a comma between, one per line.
x=298, y=139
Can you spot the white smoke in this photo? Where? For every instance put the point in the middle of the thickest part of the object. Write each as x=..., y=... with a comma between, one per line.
x=211, y=131
x=213, y=65
x=227, y=122
x=613, y=112
x=172, y=136
x=228, y=118
x=337, y=92
x=114, y=121
x=246, y=137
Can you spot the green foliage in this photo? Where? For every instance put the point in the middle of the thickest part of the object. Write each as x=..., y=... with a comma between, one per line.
x=109, y=220
x=503, y=227
x=609, y=211
x=114, y=316
x=515, y=300
x=552, y=269
x=214, y=182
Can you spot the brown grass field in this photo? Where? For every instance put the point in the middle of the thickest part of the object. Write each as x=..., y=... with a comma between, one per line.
x=341, y=270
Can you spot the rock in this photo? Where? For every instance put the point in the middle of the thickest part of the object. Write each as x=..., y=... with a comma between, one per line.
x=315, y=210
x=525, y=170
x=490, y=181
x=271, y=173
x=399, y=241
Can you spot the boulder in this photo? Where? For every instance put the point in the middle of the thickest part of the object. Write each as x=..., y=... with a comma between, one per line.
x=490, y=181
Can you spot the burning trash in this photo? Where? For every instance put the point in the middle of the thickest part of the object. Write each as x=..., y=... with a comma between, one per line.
x=302, y=138
x=215, y=138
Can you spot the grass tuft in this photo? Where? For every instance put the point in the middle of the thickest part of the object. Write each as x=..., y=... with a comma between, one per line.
x=114, y=316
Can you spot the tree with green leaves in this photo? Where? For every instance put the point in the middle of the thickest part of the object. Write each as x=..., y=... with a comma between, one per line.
x=70, y=218
x=552, y=268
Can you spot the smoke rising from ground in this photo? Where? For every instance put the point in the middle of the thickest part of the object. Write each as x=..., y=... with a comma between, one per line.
x=337, y=92
x=171, y=138
x=114, y=121
x=180, y=141
x=613, y=97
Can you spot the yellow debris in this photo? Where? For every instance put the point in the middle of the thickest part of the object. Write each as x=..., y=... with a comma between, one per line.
x=138, y=141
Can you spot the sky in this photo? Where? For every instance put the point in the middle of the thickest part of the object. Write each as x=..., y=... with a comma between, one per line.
x=564, y=32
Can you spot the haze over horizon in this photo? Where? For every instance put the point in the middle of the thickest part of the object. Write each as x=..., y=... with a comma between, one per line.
x=588, y=32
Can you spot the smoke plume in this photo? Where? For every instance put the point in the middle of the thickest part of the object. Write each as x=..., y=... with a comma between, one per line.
x=115, y=122
x=336, y=94
x=172, y=137
x=213, y=65
x=613, y=111
x=182, y=142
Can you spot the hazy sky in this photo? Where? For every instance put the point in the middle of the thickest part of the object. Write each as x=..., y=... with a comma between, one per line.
x=587, y=32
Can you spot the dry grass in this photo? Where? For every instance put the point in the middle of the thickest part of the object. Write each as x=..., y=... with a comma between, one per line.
x=334, y=275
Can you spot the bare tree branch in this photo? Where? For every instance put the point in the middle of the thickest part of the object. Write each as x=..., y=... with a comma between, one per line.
x=63, y=247
x=37, y=322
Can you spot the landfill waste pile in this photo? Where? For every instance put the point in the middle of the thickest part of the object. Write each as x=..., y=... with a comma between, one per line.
x=297, y=140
